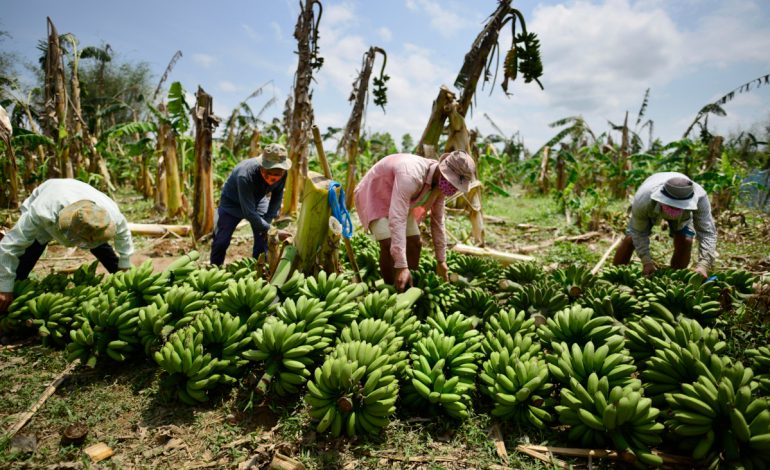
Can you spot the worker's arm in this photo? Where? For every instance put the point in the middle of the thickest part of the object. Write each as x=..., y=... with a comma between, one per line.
x=276, y=198
x=707, y=234
x=123, y=243
x=249, y=205
x=639, y=229
x=12, y=246
x=438, y=233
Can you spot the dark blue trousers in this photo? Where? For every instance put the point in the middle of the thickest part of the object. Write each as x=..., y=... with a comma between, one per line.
x=223, y=234
x=104, y=253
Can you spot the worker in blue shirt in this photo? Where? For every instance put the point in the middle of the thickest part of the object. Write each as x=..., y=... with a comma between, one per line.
x=253, y=191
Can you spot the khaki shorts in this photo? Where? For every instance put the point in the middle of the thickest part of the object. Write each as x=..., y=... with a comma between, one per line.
x=380, y=228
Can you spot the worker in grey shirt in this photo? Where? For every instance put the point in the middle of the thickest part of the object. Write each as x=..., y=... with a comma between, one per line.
x=685, y=205
x=72, y=213
x=253, y=191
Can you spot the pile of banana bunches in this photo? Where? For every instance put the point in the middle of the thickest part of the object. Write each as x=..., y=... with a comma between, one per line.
x=607, y=360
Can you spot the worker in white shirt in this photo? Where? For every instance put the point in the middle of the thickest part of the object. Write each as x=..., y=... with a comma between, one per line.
x=72, y=213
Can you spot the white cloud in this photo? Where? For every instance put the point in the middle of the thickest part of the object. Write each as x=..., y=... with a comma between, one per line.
x=204, y=60
x=277, y=31
x=385, y=34
x=338, y=14
x=251, y=32
x=227, y=86
x=443, y=16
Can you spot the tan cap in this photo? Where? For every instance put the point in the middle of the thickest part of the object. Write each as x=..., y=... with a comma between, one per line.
x=274, y=156
x=84, y=221
x=459, y=169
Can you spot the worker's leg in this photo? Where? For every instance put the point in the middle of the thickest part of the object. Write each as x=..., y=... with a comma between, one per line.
x=413, y=243
x=28, y=260
x=624, y=252
x=260, y=238
x=386, y=262
x=683, y=233
x=223, y=233
x=106, y=255
x=682, y=251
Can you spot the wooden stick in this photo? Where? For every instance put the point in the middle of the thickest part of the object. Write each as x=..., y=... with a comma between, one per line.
x=609, y=454
x=497, y=437
x=46, y=394
x=606, y=255
x=503, y=257
x=541, y=456
x=156, y=230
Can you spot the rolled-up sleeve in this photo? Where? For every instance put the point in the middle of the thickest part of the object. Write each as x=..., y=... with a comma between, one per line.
x=437, y=228
x=639, y=229
x=12, y=246
x=124, y=244
x=403, y=188
x=249, y=205
x=706, y=232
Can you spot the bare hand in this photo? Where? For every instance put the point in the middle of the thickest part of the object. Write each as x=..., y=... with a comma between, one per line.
x=702, y=271
x=649, y=268
x=403, y=279
x=442, y=270
x=5, y=300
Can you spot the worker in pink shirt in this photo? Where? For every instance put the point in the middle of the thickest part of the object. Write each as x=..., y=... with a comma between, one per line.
x=395, y=195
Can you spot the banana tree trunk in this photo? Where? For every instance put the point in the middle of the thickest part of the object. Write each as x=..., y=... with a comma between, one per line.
x=203, y=185
x=171, y=164
x=301, y=114
x=56, y=101
x=438, y=116
x=12, y=172
x=254, y=147
x=76, y=131
x=317, y=240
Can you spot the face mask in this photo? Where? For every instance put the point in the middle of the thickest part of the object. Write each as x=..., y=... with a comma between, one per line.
x=270, y=179
x=445, y=186
x=671, y=213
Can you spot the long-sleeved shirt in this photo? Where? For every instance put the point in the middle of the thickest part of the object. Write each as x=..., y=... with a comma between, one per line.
x=396, y=186
x=645, y=213
x=39, y=221
x=243, y=190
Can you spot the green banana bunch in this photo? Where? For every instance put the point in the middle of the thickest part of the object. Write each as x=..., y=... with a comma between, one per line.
x=178, y=271
x=367, y=253
x=191, y=371
x=341, y=303
x=140, y=281
x=182, y=303
x=523, y=346
x=321, y=285
x=437, y=295
x=542, y=297
x=442, y=374
x=568, y=362
x=394, y=309
x=224, y=337
x=495, y=363
x=523, y=272
x=154, y=326
x=54, y=282
x=741, y=281
x=678, y=299
x=244, y=268
x=598, y=414
x=510, y=321
x=52, y=315
x=575, y=280
x=623, y=275
x=311, y=317
x=760, y=361
x=353, y=391
x=478, y=272
x=722, y=418
x=85, y=275
x=610, y=301
x=288, y=353
x=248, y=299
x=18, y=312
x=456, y=325
x=521, y=390
x=290, y=288
x=646, y=335
x=578, y=325
x=378, y=333
x=108, y=326
x=672, y=366
x=475, y=303
x=208, y=282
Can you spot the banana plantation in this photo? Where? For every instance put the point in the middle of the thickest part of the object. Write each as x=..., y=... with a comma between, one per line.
x=534, y=351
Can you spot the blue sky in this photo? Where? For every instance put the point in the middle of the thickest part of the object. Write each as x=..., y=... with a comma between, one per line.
x=599, y=56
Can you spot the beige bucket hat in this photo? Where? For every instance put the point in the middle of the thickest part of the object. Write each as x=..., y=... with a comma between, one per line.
x=85, y=221
x=274, y=156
